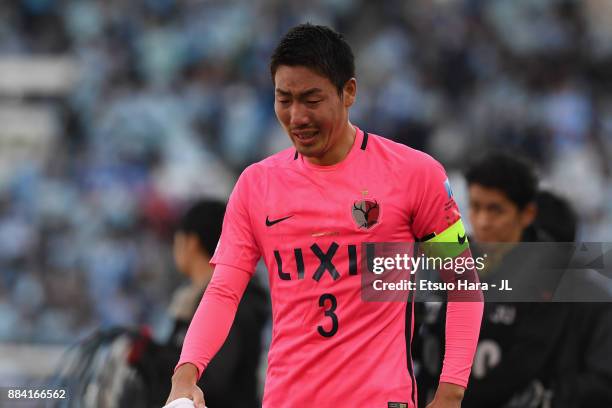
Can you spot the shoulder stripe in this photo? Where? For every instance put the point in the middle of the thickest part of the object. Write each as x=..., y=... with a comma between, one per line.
x=295, y=156
x=364, y=143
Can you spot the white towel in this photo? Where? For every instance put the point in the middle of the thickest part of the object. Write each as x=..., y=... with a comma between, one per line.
x=181, y=403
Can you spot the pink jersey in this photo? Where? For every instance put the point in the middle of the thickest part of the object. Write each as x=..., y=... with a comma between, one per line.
x=330, y=348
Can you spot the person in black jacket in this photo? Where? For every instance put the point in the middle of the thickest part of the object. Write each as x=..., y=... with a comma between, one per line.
x=583, y=366
x=529, y=354
x=513, y=349
x=231, y=378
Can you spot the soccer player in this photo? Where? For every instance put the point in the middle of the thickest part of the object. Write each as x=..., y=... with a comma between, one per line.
x=306, y=210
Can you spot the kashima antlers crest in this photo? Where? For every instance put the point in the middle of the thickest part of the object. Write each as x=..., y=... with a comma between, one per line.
x=366, y=212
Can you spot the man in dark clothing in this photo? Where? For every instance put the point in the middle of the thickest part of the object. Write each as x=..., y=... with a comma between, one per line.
x=525, y=349
x=231, y=379
x=555, y=216
x=583, y=374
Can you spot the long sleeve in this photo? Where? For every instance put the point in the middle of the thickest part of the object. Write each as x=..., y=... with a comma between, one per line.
x=462, y=329
x=438, y=223
x=214, y=316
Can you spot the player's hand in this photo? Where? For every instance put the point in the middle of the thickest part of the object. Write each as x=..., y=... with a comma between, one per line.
x=184, y=386
x=447, y=396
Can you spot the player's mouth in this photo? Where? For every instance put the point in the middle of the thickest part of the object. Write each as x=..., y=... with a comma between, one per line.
x=305, y=137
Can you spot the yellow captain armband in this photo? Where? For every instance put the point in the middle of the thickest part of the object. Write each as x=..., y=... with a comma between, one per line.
x=451, y=242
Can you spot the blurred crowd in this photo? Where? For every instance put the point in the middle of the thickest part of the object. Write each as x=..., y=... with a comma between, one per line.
x=115, y=115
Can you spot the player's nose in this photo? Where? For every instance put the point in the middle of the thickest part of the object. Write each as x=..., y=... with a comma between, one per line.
x=299, y=116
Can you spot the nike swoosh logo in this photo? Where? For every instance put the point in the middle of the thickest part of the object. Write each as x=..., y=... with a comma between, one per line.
x=271, y=223
x=461, y=239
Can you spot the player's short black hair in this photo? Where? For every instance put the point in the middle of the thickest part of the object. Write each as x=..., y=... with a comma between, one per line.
x=556, y=216
x=204, y=219
x=515, y=177
x=319, y=48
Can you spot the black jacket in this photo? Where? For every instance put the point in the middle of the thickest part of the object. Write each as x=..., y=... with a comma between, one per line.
x=529, y=354
x=230, y=380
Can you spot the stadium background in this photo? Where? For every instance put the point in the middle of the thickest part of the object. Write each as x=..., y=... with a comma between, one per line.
x=114, y=115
